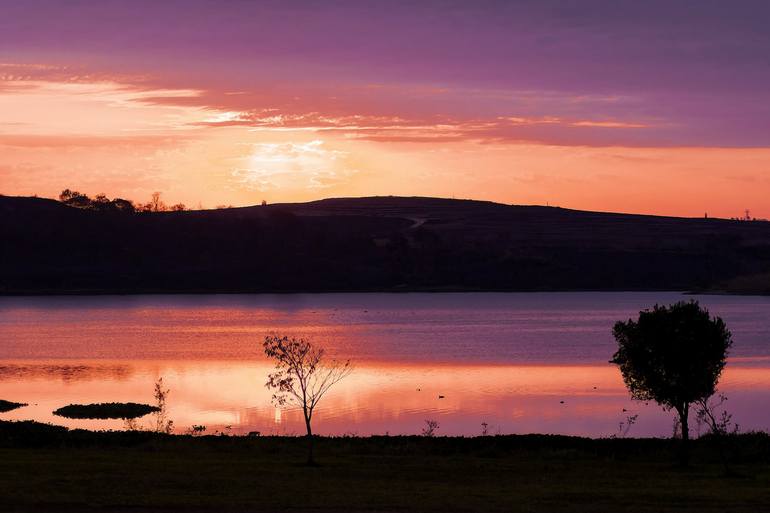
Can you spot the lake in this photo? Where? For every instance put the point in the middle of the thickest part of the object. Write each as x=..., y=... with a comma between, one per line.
x=500, y=362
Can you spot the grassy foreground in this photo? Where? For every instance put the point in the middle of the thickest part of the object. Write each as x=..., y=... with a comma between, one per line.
x=43, y=468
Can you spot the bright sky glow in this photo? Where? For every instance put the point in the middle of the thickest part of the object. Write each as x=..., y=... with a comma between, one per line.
x=621, y=106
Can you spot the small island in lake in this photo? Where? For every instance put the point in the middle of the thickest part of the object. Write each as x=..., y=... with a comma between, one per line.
x=6, y=406
x=105, y=411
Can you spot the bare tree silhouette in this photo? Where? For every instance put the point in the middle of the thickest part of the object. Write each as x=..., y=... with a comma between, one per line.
x=302, y=376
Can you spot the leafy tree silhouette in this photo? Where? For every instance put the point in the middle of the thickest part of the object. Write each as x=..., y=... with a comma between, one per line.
x=673, y=355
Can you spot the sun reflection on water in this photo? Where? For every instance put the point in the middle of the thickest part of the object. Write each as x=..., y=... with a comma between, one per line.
x=377, y=398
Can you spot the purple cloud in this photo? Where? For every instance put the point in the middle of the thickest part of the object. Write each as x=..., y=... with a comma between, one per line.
x=696, y=71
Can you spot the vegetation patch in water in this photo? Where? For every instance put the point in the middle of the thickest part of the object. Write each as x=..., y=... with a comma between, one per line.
x=9, y=405
x=105, y=411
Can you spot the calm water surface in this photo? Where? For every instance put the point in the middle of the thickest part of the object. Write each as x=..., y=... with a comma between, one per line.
x=519, y=362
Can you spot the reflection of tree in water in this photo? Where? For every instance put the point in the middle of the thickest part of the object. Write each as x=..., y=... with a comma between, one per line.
x=162, y=423
x=65, y=372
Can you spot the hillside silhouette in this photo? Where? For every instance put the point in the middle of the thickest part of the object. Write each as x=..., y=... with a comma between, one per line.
x=362, y=244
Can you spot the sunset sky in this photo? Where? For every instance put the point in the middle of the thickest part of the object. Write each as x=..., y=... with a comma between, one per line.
x=650, y=107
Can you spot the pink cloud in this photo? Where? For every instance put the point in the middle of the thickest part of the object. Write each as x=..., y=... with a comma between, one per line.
x=85, y=141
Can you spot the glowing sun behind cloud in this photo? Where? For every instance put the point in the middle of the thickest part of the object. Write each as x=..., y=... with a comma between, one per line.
x=291, y=165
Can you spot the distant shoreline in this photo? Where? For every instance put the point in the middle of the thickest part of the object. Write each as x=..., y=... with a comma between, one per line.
x=447, y=290
x=373, y=245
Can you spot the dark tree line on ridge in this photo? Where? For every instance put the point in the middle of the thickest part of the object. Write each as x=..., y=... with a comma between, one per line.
x=101, y=203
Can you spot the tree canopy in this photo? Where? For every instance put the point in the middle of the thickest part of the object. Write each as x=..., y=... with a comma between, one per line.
x=672, y=354
x=100, y=203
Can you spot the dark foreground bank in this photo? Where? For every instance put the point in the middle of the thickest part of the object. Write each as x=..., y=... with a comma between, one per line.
x=45, y=468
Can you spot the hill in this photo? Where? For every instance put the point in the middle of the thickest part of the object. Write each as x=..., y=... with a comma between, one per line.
x=379, y=243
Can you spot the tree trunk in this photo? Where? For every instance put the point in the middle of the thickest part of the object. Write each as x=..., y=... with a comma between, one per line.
x=684, y=455
x=310, y=459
